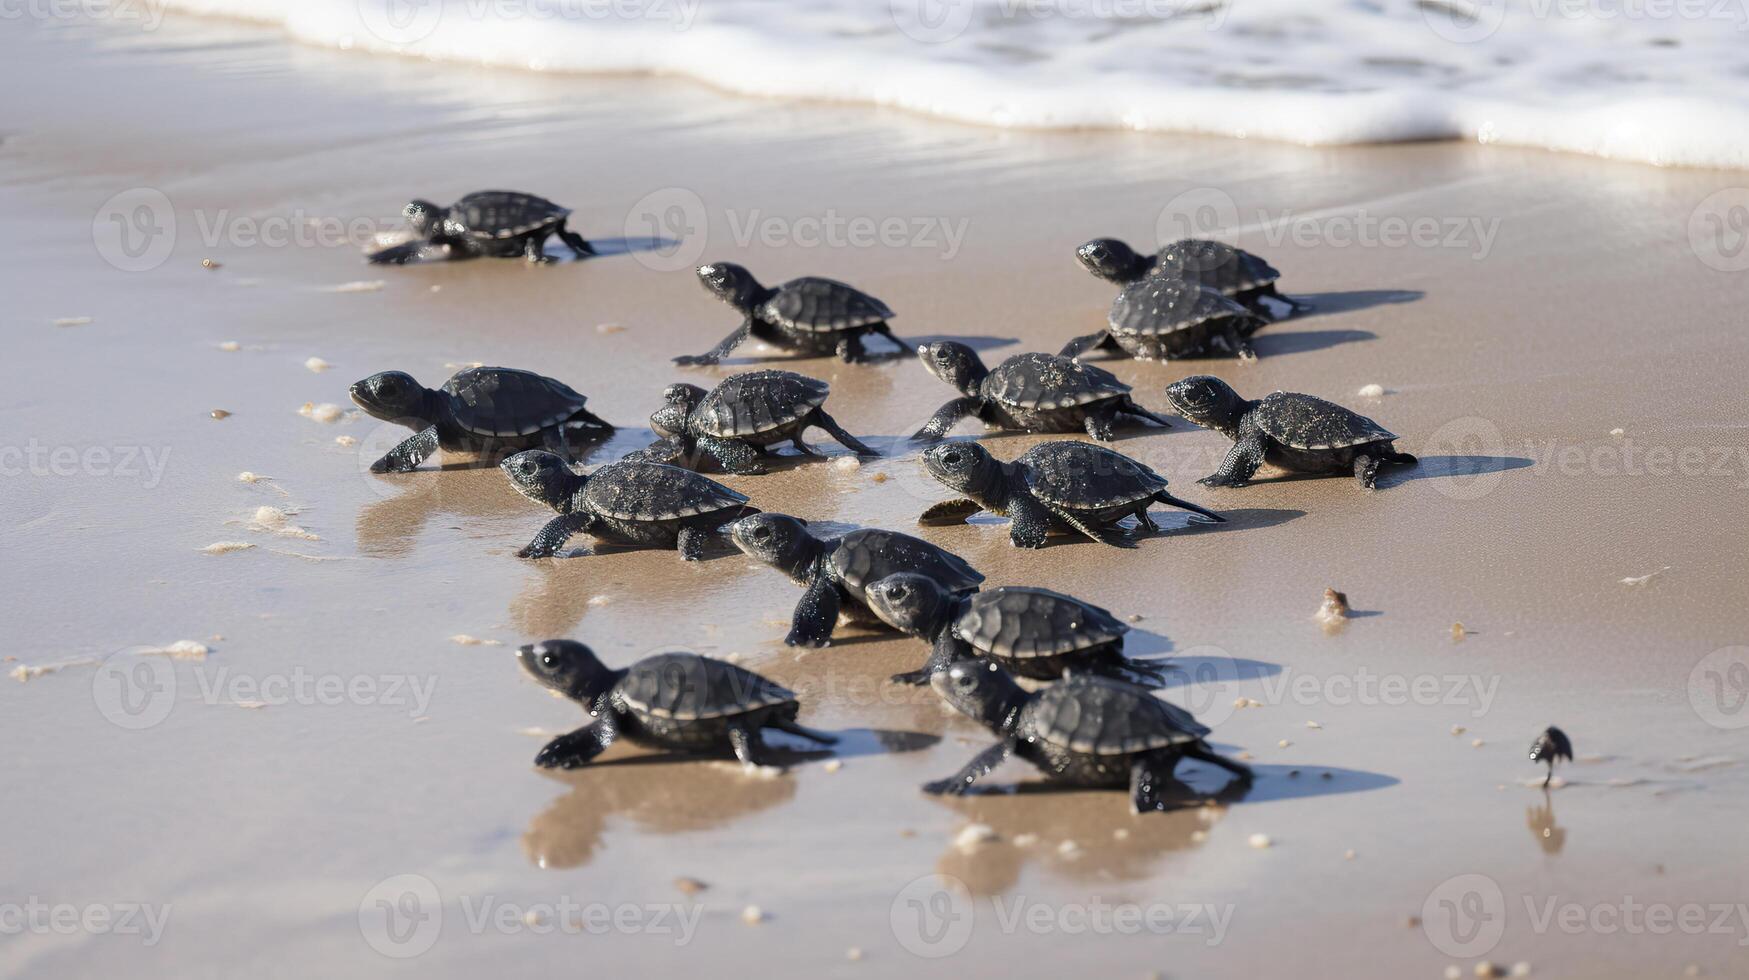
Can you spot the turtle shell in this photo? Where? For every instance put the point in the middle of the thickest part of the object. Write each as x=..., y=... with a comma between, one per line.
x=756, y=403
x=1217, y=265
x=1159, y=305
x=640, y=491
x=1021, y=623
x=815, y=305
x=1046, y=381
x=493, y=401
x=1077, y=475
x=1306, y=422
x=688, y=687
x=503, y=214
x=1099, y=716
x=866, y=556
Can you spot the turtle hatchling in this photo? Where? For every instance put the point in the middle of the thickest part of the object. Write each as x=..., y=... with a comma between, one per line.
x=836, y=571
x=810, y=315
x=483, y=410
x=1054, y=486
x=680, y=702
x=1034, y=633
x=1296, y=432
x=1028, y=392
x=743, y=417
x=1223, y=268
x=1161, y=319
x=504, y=224
x=1083, y=730
x=630, y=502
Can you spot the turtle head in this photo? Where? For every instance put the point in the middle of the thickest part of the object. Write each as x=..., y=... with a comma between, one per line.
x=778, y=540
x=954, y=363
x=1111, y=260
x=568, y=667
x=678, y=401
x=981, y=690
x=390, y=396
x=965, y=467
x=542, y=476
x=422, y=216
x=1207, y=401
x=909, y=602
x=731, y=283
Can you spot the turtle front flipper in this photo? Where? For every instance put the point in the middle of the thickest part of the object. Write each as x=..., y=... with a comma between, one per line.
x=789, y=725
x=836, y=431
x=1242, y=461
x=397, y=254
x=576, y=748
x=691, y=541
x=815, y=615
x=947, y=512
x=556, y=532
x=1081, y=345
x=1101, y=422
x=721, y=350
x=748, y=745
x=534, y=250
x=574, y=241
x=1366, y=471
x=980, y=766
x=1029, y=522
x=1182, y=504
x=946, y=417
x=734, y=457
x=1149, y=774
x=1128, y=406
x=406, y=457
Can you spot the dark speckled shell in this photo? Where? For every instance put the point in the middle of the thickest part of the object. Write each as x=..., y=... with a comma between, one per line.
x=1081, y=476
x=634, y=491
x=871, y=554
x=688, y=687
x=1098, y=716
x=504, y=214
x=493, y=401
x=756, y=403
x=1046, y=381
x=815, y=305
x=1217, y=265
x=1307, y=422
x=1158, y=305
x=1022, y=623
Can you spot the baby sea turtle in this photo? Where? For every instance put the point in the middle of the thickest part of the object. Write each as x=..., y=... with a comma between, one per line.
x=1221, y=267
x=1034, y=633
x=1293, y=431
x=484, y=410
x=836, y=571
x=1054, y=486
x=1083, y=730
x=1028, y=392
x=1551, y=747
x=629, y=502
x=676, y=701
x=505, y=224
x=1161, y=319
x=743, y=417
x=811, y=315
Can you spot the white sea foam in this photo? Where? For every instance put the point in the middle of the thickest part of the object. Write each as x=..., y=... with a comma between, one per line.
x=1658, y=81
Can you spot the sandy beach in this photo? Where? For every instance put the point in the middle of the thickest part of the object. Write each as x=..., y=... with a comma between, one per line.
x=311, y=755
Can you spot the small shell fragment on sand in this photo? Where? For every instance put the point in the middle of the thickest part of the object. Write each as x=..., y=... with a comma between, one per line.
x=607, y=328
x=1477, y=743
x=833, y=765
x=600, y=600
x=1458, y=632
x=226, y=547
x=73, y=321
x=1259, y=841
x=853, y=954
x=317, y=365
x=1457, y=730
x=230, y=347
x=345, y=441
x=181, y=650
x=1334, y=611
x=361, y=286
x=1313, y=724
x=1348, y=855
x=973, y=836
x=752, y=915
x=1638, y=580
x=211, y=264
x=1371, y=391
x=325, y=412
x=465, y=640
x=1521, y=968
x=1069, y=848
x=689, y=886
x=219, y=414
x=1284, y=743
x=277, y=521
x=248, y=477
x=847, y=463
x=1488, y=969
x=1618, y=432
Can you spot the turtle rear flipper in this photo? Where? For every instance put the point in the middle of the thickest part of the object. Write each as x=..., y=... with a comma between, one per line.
x=556, y=532
x=406, y=457
x=1197, y=509
x=789, y=725
x=574, y=241
x=836, y=431
x=1081, y=345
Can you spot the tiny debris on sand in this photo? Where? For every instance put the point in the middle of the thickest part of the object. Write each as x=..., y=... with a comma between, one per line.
x=880, y=478
x=1477, y=743
x=833, y=765
x=219, y=414
x=73, y=321
x=1069, y=849
x=326, y=412
x=1334, y=612
x=753, y=915
x=600, y=600
x=853, y=954
x=1284, y=743
x=1638, y=580
x=211, y=264
x=1488, y=969
x=30, y=672
x=248, y=477
x=275, y=520
x=345, y=441
x=1313, y=724
x=180, y=650
x=607, y=328
x=1371, y=391
x=1458, y=632
x=1618, y=432
x=1260, y=841
x=230, y=347
x=473, y=641
x=689, y=886
x=361, y=286
x=1348, y=855
x=1454, y=972
x=1521, y=968
x=1457, y=730
x=317, y=365
x=226, y=547
x=974, y=836
x=1025, y=840
x=847, y=463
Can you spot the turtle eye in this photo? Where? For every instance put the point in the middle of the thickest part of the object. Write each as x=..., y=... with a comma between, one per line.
x=951, y=459
x=896, y=592
x=548, y=660
x=965, y=681
x=761, y=533
x=528, y=467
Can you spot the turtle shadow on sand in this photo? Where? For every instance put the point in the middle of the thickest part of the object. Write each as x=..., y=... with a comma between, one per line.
x=1171, y=524
x=1350, y=301
x=628, y=246
x=1450, y=467
x=1275, y=344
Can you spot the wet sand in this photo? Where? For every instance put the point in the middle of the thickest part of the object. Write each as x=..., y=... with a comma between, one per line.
x=268, y=832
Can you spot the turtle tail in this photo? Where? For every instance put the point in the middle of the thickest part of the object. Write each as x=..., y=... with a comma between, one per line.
x=1167, y=498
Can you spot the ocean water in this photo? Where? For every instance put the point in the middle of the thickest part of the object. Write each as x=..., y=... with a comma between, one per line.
x=1656, y=81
